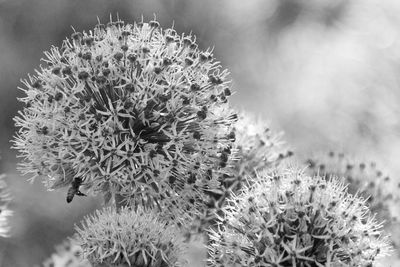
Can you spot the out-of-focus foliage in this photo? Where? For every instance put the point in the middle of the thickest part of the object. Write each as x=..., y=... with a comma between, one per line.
x=68, y=254
x=5, y=212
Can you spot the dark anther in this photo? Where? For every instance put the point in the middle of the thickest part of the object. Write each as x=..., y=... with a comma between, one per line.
x=202, y=114
x=224, y=157
x=130, y=87
x=83, y=75
x=213, y=98
x=124, y=48
x=169, y=39
x=154, y=24
x=128, y=104
x=194, y=87
x=64, y=60
x=145, y=50
x=58, y=96
x=50, y=98
x=349, y=166
x=132, y=58
x=215, y=80
x=186, y=101
x=232, y=135
x=189, y=61
x=118, y=56
x=187, y=41
x=87, y=56
x=126, y=33
x=37, y=84
x=76, y=35
x=56, y=70
x=88, y=41
x=106, y=72
x=157, y=70
x=152, y=153
x=227, y=92
x=67, y=70
x=192, y=178
x=44, y=130
x=167, y=61
x=101, y=79
x=203, y=57
x=193, y=46
x=196, y=135
x=171, y=179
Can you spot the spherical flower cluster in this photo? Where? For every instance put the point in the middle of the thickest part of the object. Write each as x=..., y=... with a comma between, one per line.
x=130, y=238
x=291, y=219
x=363, y=178
x=4, y=211
x=367, y=180
x=67, y=254
x=128, y=109
x=256, y=147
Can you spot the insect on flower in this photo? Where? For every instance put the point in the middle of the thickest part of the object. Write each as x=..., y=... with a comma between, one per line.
x=74, y=189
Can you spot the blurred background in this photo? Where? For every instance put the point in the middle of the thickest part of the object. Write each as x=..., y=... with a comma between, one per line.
x=324, y=72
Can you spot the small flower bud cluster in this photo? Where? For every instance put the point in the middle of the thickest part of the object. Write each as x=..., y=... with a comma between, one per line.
x=256, y=147
x=4, y=211
x=367, y=180
x=68, y=254
x=129, y=109
x=291, y=219
x=363, y=178
x=130, y=238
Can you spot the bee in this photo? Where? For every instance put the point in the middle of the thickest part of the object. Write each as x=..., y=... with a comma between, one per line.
x=74, y=189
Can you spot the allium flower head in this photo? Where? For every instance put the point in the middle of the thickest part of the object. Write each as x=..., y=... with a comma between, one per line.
x=364, y=178
x=4, y=211
x=256, y=147
x=130, y=238
x=130, y=109
x=367, y=180
x=68, y=254
x=291, y=219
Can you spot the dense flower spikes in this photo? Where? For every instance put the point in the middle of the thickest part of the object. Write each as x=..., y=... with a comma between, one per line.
x=4, y=211
x=130, y=238
x=127, y=109
x=291, y=219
